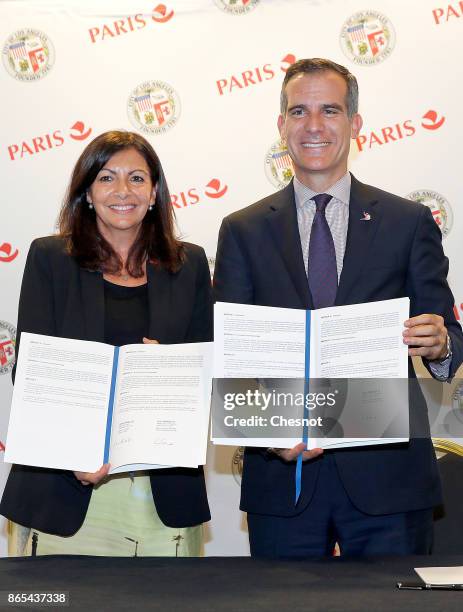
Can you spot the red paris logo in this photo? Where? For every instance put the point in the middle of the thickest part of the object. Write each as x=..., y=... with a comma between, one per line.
x=35, y=145
x=287, y=61
x=2, y=446
x=182, y=199
x=214, y=189
x=431, y=121
x=458, y=311
x=253, y=76
x=398, y=131
x=78, y=131
x=385, y=135
x=7, y=253
x=45, y=142
x=160, y=14
x=245, y=79
x=443, y=15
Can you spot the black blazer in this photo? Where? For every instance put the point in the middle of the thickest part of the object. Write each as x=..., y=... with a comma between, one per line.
x=58, y=298
x=397, y=253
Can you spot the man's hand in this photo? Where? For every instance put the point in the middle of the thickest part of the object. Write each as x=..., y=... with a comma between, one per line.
x=148, y=341
x=291, y=454
x=93, y=478
x=426, y=336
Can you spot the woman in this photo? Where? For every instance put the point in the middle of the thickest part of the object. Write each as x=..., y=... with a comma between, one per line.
x=115, y=273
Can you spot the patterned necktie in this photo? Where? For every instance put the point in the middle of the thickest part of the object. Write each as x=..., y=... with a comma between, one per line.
x=322, y=270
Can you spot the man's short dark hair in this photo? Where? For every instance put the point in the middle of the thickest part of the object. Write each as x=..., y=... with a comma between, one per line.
x=317, y=64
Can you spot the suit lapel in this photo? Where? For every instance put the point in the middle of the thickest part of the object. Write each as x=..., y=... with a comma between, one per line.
x=364, y=220
x=282, y=220
x=93, y=304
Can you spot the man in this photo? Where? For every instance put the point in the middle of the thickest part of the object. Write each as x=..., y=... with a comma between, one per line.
x=327, y=239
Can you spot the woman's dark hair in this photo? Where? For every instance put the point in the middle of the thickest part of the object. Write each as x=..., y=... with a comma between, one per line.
x=77, y=222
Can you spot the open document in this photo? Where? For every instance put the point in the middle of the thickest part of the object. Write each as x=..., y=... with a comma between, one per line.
x=79, y=404
x=348, y=368
x=441, y=576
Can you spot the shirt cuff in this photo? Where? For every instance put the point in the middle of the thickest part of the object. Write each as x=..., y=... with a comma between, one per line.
x=440, y=369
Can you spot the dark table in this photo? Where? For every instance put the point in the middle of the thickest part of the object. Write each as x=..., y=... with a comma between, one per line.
x=236, y=584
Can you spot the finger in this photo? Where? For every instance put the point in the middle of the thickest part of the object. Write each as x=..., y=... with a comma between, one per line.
x=424, y=319
x=312, y=454
x=149, y=341
x=80, y=478
x=424, y=330
x=425, y=341
x=293, y=453
x=289, y=454
x=428, y=353
x=87, y=478
x=102, y=473
x=104, y=469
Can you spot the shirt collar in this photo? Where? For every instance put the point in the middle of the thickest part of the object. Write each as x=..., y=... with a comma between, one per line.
x=340, y=191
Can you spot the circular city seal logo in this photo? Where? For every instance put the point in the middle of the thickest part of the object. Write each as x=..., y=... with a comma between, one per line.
x=7, y=342
x=237, y=464
x=278, y=165
x=211, y=262
x=443, y=446
x=237, y=7
x=439, y=206
x=367, y=38
x=154, y=107
x=28, y=55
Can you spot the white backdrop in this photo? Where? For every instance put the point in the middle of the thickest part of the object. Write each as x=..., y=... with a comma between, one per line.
x=201, y=79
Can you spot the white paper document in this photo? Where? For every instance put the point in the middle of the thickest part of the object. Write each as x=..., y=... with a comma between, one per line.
x=79, y=404
x=344, y=342
x=440, y=575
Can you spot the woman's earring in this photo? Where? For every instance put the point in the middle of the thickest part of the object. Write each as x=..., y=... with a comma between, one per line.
x=90, y=205
x=150, y=207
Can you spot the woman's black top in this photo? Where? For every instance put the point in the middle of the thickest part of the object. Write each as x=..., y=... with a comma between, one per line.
x=126, y=313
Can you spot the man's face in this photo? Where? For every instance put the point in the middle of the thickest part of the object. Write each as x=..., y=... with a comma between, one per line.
x=316, y=128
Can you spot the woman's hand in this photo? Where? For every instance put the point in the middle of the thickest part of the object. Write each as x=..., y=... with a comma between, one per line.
x=93, y=478
x=291, y=454
x=148, y=341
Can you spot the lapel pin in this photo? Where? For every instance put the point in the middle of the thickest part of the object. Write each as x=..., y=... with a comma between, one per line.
x=366, y=216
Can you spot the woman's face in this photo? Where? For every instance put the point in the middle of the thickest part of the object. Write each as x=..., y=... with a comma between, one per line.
x=121, y=194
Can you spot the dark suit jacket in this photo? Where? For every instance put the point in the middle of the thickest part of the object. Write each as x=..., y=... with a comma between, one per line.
x=58, y=298
x=397, y=253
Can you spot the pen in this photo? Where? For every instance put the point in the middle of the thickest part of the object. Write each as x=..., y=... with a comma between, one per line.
x=422, y=586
